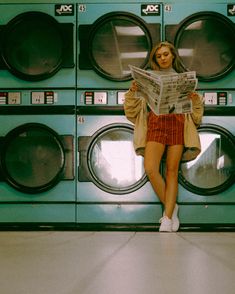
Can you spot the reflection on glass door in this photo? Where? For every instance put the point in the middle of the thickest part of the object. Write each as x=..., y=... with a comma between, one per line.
x=214, y=169
x=113, y=162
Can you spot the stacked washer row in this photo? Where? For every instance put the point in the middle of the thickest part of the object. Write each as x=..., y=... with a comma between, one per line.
x=37, y=113
x=109, y=190
x=66, y=146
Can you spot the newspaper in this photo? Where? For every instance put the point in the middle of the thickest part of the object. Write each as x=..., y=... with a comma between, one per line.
x=165, y=93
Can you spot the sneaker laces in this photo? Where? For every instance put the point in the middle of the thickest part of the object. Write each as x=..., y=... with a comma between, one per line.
x=164, y=217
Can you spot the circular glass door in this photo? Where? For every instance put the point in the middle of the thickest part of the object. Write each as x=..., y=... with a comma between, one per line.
x=116, y=41
x=206, y=44
x=213, y=171
x=32, y=46
x=32, y=158
x=112, y=161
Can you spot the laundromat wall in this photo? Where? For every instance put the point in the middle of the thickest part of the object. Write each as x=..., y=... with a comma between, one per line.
x=66, y=152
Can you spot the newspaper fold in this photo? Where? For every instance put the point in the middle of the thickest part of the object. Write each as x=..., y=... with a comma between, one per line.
x=165, y=93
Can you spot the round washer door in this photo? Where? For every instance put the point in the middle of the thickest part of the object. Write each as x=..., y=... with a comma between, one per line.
x=206, y=44
x=32, y=46
x=112, y=162
x=213, y=171
x=117, y=40
x=32, y=158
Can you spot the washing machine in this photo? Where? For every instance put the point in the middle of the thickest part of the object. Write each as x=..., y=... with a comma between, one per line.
x=37, y=48
x=204, y=34
x=207, y=184
x=37, y=156
x=112, y=185
x=111, y=36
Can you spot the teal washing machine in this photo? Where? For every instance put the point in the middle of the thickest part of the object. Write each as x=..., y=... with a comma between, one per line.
x=207, y=184
x=37, y=157
x=37, y=48
x=112, y=185
x=112, y=35
x=204, y=34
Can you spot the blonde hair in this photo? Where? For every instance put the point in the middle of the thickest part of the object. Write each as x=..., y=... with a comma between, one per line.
x=177, y=63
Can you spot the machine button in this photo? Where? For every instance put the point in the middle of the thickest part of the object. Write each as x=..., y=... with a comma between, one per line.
x=49, y=97
x=222, y=98
x=3, y=97
x=88, y=97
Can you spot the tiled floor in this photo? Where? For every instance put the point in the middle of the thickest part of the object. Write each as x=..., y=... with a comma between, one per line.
x=117, y=262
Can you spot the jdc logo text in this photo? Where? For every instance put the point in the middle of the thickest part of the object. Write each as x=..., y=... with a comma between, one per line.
x=231, y=9
x=150, y=9
x=64, y=9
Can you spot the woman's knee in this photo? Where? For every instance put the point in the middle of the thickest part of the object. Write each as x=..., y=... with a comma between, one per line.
x=172, y=171
x=151, y=169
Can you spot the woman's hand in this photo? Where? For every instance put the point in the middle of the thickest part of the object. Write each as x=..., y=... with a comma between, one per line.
x=134, y=87
x=193, y=96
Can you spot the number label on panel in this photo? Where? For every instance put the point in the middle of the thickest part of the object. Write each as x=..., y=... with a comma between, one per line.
x=120, y=97
x=100, y=98
x=80, y=120
x=14, y=98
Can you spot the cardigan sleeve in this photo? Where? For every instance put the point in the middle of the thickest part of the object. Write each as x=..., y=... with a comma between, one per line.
x=133, y=105
x=198, y=110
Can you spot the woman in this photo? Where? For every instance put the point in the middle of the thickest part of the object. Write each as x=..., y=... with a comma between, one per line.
x=174, y=133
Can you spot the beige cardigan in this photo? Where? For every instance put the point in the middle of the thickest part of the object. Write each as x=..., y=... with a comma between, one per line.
x=136, y=112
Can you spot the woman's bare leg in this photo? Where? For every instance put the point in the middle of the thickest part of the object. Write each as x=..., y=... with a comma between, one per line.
x=174, y=154
x=152, y=159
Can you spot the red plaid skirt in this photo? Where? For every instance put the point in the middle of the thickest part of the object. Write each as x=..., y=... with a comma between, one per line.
x=167, y=129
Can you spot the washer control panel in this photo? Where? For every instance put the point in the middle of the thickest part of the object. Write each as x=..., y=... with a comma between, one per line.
x=10, y=98
x=117, y=97
x=218, y=98
x=47, y=97
x=95, y=98
x=102, y=97
x=30, y=97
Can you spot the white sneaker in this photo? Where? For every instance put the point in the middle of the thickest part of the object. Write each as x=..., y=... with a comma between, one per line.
x=166, y=224
x=175, y=219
